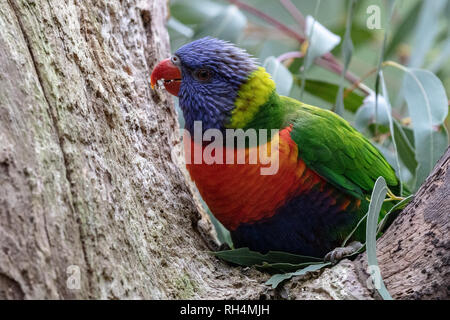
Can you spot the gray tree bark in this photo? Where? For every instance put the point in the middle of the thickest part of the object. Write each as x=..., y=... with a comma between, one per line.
x=93, y=198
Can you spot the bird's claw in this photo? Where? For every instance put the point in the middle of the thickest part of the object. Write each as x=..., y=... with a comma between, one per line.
x=339, y=253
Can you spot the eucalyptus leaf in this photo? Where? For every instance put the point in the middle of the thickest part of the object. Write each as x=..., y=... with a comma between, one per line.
x=428, y=107
x=349, y=236
x=280, y=74
x=327, y=91
x=376, y=202
x=405, y=149
x=276, y=279
x=388, y=111
x=442, y=59
x=282, y=267
x=383, y=109
x=347, y=52
x=389, y=216
x=426, y=31
x=404, y=29
x=248, y=258
x=223, y=235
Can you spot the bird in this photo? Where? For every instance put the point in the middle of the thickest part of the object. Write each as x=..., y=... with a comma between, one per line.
x=326, y=169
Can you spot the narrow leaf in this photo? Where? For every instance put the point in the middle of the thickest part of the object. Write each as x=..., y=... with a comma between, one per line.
x=376, y=202
x=405, y=150
x=404, y=29
x=276, y=279
x=389, y=217
x=223, y=235
x=246, y=257
x=391, y=129
x=426, y=31
x=347, y=51
x=327, y=91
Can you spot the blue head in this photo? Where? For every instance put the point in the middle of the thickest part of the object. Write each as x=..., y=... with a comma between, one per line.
x=212, y=72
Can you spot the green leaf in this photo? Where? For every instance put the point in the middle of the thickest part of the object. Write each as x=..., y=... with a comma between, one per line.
x=428, y=108
x=409, y=133
x=282, y=267
x=361, y=36
x=390, y=217
x=405, y=149
x=248, y=258
x=426, y=31
x=280, y=74
x=443, y=57
x=404, y=29
x=376, y=202
x=328, y=91
x=347, y=51
x=382, y=102
x=228, y=25
x=276, y=279
x=387, y=111
x=344, y=243
x=223, y=235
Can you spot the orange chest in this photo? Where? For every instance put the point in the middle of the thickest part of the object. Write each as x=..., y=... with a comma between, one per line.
x=246, y=192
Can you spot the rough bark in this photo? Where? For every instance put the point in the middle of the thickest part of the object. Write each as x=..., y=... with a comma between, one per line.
x=413, y=254
x=87, y=176
x=90, y=173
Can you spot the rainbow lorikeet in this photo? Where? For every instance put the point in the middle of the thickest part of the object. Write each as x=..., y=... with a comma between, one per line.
x=326, y=169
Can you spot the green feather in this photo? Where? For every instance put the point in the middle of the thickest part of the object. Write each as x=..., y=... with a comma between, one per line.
x=326, y=142
x=336, y=151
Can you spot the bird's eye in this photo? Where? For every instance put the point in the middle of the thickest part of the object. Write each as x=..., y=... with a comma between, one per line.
x=202, y=75
x=175, y=60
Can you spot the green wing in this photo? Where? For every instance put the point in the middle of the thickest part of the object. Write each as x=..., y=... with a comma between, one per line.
x=336, y=151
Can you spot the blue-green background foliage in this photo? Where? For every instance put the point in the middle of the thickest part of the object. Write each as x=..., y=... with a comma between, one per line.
x=418, y=36
x=408, y=121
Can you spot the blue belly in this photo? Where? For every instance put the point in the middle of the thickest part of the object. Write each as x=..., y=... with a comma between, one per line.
x=307, y=225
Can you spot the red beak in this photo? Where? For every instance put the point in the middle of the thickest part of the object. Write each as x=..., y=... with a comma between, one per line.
x=170, y=73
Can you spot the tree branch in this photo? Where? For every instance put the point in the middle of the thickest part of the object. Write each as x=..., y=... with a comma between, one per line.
x=327, y=61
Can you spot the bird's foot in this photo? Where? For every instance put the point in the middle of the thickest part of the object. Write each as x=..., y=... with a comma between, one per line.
x=340, y=252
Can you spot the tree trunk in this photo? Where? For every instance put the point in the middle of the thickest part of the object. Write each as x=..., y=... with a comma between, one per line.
x=413, y=254
x=93, y=203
